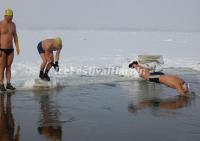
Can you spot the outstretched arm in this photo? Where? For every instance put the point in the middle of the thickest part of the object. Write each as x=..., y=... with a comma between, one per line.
x=16, y=40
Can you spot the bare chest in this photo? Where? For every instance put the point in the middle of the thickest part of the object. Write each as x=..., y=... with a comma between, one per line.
x=6, y=29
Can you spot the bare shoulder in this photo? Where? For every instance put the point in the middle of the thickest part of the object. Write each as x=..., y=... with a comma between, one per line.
x=1, y=23
x=13, y=24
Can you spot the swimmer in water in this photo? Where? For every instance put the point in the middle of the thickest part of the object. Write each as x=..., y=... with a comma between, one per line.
x=171, y=81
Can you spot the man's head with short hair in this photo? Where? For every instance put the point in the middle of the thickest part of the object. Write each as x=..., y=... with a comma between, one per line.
x=133, y=63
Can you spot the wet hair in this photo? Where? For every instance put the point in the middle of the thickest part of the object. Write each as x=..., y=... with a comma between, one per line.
x=131, y=64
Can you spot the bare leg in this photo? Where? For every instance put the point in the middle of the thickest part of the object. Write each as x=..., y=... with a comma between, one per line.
x=42, y=66
x=9, y=60
x=49, y=65
x=44, y=62
x=2, y=66
x=180, y=90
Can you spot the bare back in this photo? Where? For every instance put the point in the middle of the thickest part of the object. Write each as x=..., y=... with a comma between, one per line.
x=48, y=45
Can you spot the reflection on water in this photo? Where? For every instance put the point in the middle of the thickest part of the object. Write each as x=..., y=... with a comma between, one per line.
x=49, y=125
x=170, y=103
x=7, y=122
x=145, y=95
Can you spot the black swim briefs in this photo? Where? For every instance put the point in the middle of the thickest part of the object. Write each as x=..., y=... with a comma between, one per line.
x=7, y=51
x=40, y=49
x=154, y=77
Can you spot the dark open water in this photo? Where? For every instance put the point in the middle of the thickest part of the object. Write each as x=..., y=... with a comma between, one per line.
x=111, y=111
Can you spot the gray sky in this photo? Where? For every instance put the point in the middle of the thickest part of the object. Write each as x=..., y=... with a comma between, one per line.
x=173, y=15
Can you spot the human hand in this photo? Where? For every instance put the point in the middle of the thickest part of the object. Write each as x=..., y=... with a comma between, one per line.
x=56, y=66
x=18, y=50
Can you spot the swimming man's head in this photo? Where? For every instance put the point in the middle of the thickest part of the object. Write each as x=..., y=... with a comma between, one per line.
x=132, y=65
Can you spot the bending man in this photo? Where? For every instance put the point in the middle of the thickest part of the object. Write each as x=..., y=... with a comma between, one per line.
x=45, y=49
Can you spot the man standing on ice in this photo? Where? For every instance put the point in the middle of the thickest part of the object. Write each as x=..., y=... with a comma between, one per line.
x=8, y=33
x=45, y=49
